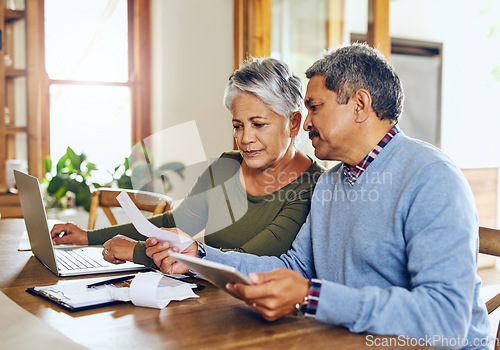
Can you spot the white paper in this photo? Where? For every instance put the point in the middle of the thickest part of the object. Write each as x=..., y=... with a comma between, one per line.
x=150, y=289
x=145, y=290
x=147, y=228
x=76, y=293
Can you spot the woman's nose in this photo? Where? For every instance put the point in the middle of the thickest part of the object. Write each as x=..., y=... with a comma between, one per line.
x=248, y=136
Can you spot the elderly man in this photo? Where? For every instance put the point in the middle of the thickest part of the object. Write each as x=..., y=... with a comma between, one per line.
x=390, y=244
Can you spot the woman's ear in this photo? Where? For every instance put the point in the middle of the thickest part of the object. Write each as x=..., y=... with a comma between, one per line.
x=295, y=122
x=362, y=105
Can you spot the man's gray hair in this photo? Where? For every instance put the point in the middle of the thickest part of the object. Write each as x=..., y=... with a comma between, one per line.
x=272, y=81
x=359, y=66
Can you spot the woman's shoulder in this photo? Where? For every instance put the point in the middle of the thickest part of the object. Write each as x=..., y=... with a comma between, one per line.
x=224, y=167
x=236, y=155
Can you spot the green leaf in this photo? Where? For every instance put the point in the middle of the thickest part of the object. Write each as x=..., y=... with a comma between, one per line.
x=82, y=196
x=61, y=192
x=61, y=163
x=47, y=165
x=58, y=181
x=74, y=158
x=125, y=182
x=90, y=166
x=495, y=73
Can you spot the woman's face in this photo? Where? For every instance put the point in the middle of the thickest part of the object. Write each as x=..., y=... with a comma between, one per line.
x=263, y=136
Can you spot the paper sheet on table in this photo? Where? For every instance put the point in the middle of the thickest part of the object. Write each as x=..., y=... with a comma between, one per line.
x=147, y=228
x=151, y=289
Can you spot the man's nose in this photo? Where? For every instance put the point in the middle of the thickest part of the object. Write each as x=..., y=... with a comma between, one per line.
x=307, y=123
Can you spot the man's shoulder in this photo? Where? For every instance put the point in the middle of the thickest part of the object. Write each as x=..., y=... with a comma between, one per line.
x=418, y=152
x=422, y=162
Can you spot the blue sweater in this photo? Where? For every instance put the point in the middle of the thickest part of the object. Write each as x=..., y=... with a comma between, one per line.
x=396, y=252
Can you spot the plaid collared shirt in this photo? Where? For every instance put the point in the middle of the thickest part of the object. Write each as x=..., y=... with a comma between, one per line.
x=354, y=173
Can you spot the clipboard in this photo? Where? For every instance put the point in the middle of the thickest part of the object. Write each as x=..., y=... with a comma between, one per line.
x=68, y=306
x=74, y=295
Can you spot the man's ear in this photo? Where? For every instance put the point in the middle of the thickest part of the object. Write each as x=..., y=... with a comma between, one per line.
x=362, y=105
x=295, y=121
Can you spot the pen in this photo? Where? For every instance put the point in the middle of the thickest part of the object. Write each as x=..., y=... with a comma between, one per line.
x=111, y=281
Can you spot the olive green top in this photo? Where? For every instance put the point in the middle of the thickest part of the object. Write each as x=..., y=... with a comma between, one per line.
x=232, y=218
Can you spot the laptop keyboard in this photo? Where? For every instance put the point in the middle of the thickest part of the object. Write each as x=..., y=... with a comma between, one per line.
x=76, y=259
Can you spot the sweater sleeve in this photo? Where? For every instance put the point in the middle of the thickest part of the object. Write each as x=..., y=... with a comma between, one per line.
x=298, y=258
x=100, y=236
x=440, y=229
x=190, y=215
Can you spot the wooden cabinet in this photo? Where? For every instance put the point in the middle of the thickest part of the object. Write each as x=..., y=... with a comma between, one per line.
x=20, y=95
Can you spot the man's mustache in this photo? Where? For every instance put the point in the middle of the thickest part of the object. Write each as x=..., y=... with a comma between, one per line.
x=313, y=133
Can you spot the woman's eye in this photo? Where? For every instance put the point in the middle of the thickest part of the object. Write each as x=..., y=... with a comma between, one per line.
x=260, y=125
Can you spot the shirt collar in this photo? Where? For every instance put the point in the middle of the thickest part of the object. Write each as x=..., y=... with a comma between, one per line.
x=354, y=173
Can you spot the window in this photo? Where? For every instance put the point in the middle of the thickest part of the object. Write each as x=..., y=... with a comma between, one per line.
x=294, y=23
x=98, y=78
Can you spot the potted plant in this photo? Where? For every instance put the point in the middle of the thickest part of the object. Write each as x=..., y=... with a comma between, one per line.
x=73, y=174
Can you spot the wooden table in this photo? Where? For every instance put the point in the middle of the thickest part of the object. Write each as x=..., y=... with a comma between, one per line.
x=214, y=321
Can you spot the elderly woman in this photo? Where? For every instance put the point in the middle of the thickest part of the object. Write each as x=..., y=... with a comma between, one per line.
x=253, y=200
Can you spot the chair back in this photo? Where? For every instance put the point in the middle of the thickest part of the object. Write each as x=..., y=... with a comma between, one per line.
x=105, y=198
x=489, y=243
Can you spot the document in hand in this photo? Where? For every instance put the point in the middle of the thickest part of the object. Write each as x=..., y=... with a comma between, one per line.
x=147, y=228
x=218, y=274
x=149, y=289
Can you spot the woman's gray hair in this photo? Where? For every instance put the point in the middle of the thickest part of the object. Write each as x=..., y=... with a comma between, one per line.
x=358, y=66
x=272, y=81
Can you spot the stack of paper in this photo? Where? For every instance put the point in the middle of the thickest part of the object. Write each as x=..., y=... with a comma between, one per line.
x=148, y=289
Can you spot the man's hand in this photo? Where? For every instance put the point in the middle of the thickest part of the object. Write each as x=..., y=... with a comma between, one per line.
x=119, y=249
x=158, y=251
x=274, y=294
x=68, y=233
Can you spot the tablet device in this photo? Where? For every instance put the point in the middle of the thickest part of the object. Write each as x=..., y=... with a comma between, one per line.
x=216, y=273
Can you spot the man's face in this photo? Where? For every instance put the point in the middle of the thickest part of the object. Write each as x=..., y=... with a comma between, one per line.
x=328, y=122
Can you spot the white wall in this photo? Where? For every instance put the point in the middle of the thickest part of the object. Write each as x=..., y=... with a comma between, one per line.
x=192, y=60
x=469, y=121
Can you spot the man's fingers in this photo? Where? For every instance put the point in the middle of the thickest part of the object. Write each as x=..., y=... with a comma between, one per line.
x=250, y=292
x=151, y=242
x=160, y=247
x=162, y=258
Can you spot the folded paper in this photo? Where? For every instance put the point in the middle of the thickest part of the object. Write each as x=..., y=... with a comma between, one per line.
x=146, y=228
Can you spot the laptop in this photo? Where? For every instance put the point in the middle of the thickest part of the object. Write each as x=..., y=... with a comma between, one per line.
x=63, y=261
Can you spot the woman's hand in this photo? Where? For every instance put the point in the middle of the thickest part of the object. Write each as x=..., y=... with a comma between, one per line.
x=158, y=251
x=72, y=234
x=273, y=294
x=119, y=249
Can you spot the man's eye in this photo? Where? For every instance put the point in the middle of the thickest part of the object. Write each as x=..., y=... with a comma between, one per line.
x=236, y=127
x=258, y=125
